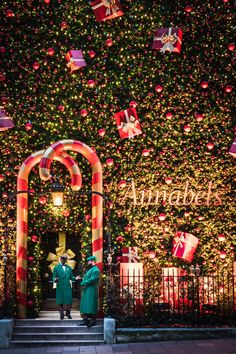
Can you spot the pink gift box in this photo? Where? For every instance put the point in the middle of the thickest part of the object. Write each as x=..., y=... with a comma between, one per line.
x=184, y=246
x=168, y=39
x=232, y=150
x=131, y=274
x=5, y=121
x=129, y=255
x=106, y=9
x=171, y=284
x=75, y=60
x=128, y=123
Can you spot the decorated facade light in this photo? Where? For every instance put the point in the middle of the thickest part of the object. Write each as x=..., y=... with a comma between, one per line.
x=57, y=191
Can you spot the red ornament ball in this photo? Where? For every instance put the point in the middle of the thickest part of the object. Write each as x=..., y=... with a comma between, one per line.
x=120, y=238
x=30, y=259
x=162, y=216
x=10, y=13
x=2, y=178
x=61, y=108
x=151, y=254
x=92, y=53
x=168, y=180
x=199, y=117
x=109, y=42
x=204, y=84
x=43, y=200
x=145, y=152
x=30, y=303
x=158, y=88
x=122, y=184
x=221, y=237
x=187, y=128
x=228, y=88
x=109, y=162
x=210, y=145
x=35, y=65
x=66, y=213
x=34, y=238
x=64, y=25
x=231, y=46
x=91, y=83
x=2, y=50
x=83, y=112
x=101, y=132
x=28, y=126
x=188, y=8
x=50, y=51
x=169, y=115
x=47, y=1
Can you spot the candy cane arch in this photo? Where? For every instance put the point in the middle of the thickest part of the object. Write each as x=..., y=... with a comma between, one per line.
x=22, y=220
x=97, y=200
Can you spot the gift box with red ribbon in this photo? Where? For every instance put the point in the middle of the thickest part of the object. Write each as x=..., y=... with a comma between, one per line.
x=128, y=123
x=129, y=255
x=184, y=246
x=75, y=60
x=168, y=39
x=106, y=9
x=5, y=121
x=232, y=150
x=131, y=274
x=173, y=284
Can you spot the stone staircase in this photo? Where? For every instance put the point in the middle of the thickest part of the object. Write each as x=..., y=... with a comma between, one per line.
x=49, y=330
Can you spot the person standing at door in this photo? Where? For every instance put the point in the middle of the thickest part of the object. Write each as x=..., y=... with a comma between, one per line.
x=89, y=299
x=62, y=276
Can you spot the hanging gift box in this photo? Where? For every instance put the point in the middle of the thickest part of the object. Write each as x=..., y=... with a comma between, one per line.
x=75, y=60
x=129, y=255
x=128, y=123
x=232, y=150
x=106, y=9
x=168, y=39
x=5, y=121
x=184, y=246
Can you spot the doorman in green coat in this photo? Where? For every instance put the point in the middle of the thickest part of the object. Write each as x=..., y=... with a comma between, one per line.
x=89, y=299
x=62, y=276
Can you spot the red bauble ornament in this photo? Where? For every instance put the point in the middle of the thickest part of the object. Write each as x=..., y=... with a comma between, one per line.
x=92, y=53
x=162, y=216
x=145, y=152
x=2, y=50
x=109, y=42
x=187, y=128
x=28, y=126
x=30, y=303
x=231, y=46
x=10, y=13
x=169, y=115
x=158, y=88
x=47, y=1
x=120, y=238
x=122, y=184
x=34, y=238
x=91, y=83
x=199, y=117
x=83, y=113
x=222, y=254
x=204, y=84
x=64, y=25
x=66, y=213
x=109, y=162
x=188, y=8
x=210, y=145
x=2, y=178
x=101, y=132
x=151, y=254
x=43, y=200
x=61, y=108
x=133, y=104
x=228, y=88
x=30, y=259
x=50, y=51
x=221, y=237
x=168, y=180
x=35, y=65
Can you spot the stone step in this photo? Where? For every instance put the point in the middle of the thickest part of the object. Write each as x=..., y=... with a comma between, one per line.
x=28, y=337
x=58, y=329
x=57, y=343
x=52, y=322
x=54, y=315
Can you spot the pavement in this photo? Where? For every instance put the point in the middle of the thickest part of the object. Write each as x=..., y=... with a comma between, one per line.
x=196, y=346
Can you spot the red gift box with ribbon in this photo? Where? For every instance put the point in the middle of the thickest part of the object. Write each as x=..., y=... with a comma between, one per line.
x=75, y=60
x=5, y=121
x=184, y=246
x=128, y=123
x=168, y=39
x=232, y=150
x=106, y=9
x=130, y=255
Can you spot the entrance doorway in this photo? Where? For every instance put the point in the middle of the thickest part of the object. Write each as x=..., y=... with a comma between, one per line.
x=52, y=240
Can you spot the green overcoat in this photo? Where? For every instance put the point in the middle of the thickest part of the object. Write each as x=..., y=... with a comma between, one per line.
x=64, y=288
x=89, y=299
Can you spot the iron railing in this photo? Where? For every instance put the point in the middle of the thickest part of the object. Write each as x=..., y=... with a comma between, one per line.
x=172, y=300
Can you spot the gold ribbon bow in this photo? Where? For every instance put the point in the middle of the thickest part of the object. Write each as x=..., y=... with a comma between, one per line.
x=54, y=258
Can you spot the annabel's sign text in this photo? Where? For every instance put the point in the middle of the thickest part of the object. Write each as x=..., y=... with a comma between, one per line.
x=185, y=195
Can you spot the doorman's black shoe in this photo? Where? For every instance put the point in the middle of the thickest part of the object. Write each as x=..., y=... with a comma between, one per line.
x=91, y=323
x=68, y=315
x=61, y=316
x=83, y=323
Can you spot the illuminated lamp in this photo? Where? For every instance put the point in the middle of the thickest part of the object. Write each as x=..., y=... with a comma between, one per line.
x=57, y=191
